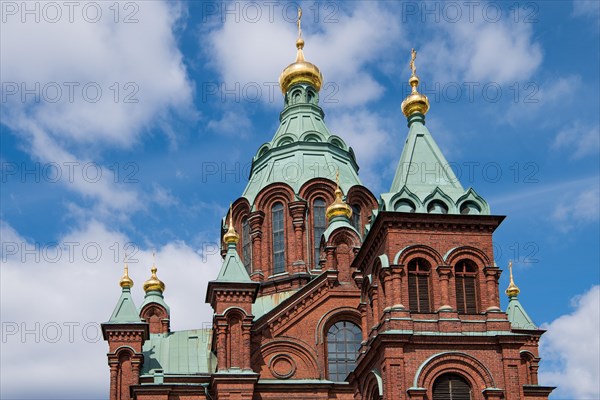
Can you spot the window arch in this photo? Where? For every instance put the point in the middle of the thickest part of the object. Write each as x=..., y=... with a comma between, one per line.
x=465, y=277
x=319, y=226
x=356, y=217
x=246, y=245
x=278, y=238
x=418, y=285
x=343, y=342
x=451, y=387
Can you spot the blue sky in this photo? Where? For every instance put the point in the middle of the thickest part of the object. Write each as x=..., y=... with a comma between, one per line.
x=130, y=127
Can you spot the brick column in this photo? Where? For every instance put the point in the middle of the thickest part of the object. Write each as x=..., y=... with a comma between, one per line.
x=135, y=367
x=397, y=271
x=298, y=213
x=492, y=274
x=330, y=252
x=246, y=343
x=221, y=346
x=114, y=368
x=256, y=220
x=385, y=277
x=444, y=278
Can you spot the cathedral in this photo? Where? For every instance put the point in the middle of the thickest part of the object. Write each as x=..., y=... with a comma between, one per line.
x=327, y=291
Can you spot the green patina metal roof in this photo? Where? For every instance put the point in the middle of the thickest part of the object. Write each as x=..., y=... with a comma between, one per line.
x=233, y=269
x=336, y=223
x=424, y=175
x=125, y=310
x=518, y=317
x=182, y=352
x=154, y=296
x=264, y=304
x=302, y=148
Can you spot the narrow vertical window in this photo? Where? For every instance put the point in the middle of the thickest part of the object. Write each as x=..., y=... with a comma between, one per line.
x=356, y=217
x=278, y=238
x=466, y=287
x=319, y=226
x=418, y=285
x=343, y=342
x=246, y=245
x=451, y=387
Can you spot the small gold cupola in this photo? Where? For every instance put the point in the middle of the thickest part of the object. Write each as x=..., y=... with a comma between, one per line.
x=153, y=283
x=301, y=70
x=339, y=206
x=512, y=290
x=231, y=235
x=415, y=102
x=126, y=282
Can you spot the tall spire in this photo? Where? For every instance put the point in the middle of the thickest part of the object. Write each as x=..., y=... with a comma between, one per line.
x=126, y=281
x=512, y=290
x=339, y=206
x=301, y=71
x=231, y=235
x=153, y=283
x=415, y=102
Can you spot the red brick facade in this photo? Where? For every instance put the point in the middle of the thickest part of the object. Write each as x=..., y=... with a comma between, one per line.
x=284, y=353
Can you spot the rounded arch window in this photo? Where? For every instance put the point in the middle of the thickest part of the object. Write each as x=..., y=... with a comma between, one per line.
x=437, y=207
x=470, y=208
x=405, y=206
x=319, y=226
x=343, y=342
x=419, y=299
x=278, y=238
x=356, y=217
x=465, y=277
x=246, y=245
x=451, y=387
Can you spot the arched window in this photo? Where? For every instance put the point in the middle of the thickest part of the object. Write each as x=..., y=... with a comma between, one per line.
x=319, y=225
x=343, y=342
x=466, y=287
x=418, y=285
x=278, y=238
x=246, y=245
x=451, y=387
x=356, y=217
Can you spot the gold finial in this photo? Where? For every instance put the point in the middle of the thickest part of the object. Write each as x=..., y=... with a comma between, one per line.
x=154, y=283
x=301, y=70
x=126, y=281
x=298, y=22
x=512, y=290
x=231, y=235
x=339, y=206
x=415, y=102
x=413, y=57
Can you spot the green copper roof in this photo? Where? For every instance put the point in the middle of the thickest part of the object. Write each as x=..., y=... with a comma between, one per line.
x=336, y=223
x=125, y=310
x=233, y=269
x=264, y=304
x=183, y=352
x=425, y=181
x=154, y=296
x=302, y=148
x=518, y=316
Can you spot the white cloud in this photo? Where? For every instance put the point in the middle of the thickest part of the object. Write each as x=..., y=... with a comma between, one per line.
x=95, y=84
x=232, y=123
x=364, y=34
x=582, y=140
x=580, y=208
x=482, y=51
x=54, y=288
x=586, y=8
x=571, y=350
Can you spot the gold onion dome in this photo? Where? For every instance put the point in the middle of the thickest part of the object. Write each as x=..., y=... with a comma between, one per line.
x=231, y=235
x=126, y=281
x=339, y=206
x=154, y=283
x=512, y=290
x=415, y=102
x=301, y=71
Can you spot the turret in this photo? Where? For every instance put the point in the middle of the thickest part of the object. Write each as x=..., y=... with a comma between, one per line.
x=154, y=310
